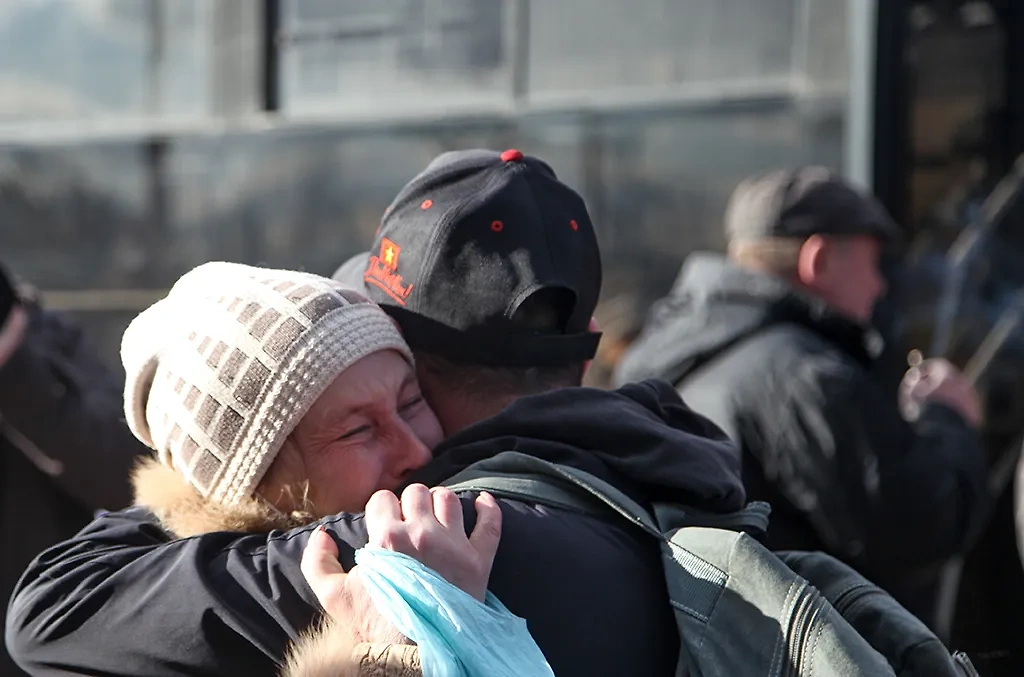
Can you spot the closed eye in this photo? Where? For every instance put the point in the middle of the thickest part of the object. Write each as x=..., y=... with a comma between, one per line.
x=354, y=432
x=411, y=403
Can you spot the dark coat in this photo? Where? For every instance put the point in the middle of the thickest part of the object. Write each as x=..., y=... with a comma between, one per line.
x=822, y=439
x=122, y=598
x=65, y=450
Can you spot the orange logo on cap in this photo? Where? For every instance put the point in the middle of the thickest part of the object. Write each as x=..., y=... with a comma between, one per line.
x=389, y=252
x=383, y=272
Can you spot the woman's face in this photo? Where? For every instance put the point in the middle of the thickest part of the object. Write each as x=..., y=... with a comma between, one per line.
x=368, y=431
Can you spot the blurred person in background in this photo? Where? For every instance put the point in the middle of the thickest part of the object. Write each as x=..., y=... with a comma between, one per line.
x=65, y=451
x=619, y=320
x=773, y=344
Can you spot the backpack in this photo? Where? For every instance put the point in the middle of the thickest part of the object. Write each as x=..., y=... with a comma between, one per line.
x=740, y=609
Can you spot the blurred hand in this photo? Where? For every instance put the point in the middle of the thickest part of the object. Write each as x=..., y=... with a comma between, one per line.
x=427, y=525
x=937, y=380
x=11, y=332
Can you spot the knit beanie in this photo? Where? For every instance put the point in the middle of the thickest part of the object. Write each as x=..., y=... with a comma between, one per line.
x=222, y=369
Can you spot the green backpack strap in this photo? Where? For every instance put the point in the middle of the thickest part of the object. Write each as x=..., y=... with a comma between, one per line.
x=533, y=490
x=513, y=475
x=517, y=476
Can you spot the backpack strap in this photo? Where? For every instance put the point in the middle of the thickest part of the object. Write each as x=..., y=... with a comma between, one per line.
x=532, y=489
x=517, y=476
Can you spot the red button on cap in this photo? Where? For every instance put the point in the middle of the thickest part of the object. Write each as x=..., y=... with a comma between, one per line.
x=511, y=155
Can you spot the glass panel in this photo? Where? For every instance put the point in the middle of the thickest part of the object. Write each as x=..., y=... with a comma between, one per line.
x=313, y=13
x=657, y=42
x=90, y=58
x=365, y=56
x=63, y=59
x=185, y=66
x=822, y=47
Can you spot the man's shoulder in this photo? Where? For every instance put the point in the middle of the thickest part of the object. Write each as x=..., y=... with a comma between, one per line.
x=588, y=586
x=752, y=363
x=551, y=542
x=787, y=348
x=795, y=339
x=763, y=375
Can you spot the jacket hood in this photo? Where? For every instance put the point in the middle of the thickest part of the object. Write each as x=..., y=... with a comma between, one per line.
x=713, y=305
x=642, y=438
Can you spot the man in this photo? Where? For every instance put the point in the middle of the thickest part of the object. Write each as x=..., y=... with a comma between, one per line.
x=65, y=451
x=773, y=345
x=491, y=267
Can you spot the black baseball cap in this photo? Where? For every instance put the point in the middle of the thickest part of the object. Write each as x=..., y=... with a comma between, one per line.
x=798, y=203
x=351, y=272
x=470, y=240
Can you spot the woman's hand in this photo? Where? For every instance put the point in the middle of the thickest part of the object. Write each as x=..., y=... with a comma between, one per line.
x=427, y=525
x=342, y=594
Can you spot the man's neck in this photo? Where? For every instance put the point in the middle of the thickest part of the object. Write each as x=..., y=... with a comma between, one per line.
x=457, y=413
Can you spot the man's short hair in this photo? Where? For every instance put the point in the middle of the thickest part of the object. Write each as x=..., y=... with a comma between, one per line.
x=802, y=202
x=778, y=256
x=544, y=312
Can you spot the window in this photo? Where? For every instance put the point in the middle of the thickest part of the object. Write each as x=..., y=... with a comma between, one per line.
x=62, y=60
x=625, y=44
x=348, y=55
x=105, y=60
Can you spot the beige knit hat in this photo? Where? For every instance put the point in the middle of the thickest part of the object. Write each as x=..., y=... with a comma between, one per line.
x=221, y=371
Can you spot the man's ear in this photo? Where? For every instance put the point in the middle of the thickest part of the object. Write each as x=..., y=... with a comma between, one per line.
x=812, y=260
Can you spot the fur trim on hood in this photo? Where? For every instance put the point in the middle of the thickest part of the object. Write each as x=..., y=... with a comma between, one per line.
x=184, y=512
x=328, y=652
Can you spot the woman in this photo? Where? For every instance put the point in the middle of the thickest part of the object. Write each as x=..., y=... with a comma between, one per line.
x=272, y=398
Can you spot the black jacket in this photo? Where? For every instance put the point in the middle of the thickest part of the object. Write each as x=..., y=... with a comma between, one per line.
x=822, y=440
x=123, y=599
x=65, y=450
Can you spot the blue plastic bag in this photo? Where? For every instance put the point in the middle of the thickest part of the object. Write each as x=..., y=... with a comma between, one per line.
x=458, y=636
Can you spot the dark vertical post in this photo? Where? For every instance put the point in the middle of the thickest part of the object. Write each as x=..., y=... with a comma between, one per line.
x=157, y=230
x=155, y=35
x=1013, y=23
x=271, y=84
x=892, y=160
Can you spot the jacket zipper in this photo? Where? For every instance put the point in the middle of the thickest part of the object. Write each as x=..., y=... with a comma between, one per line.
x=804, y=614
